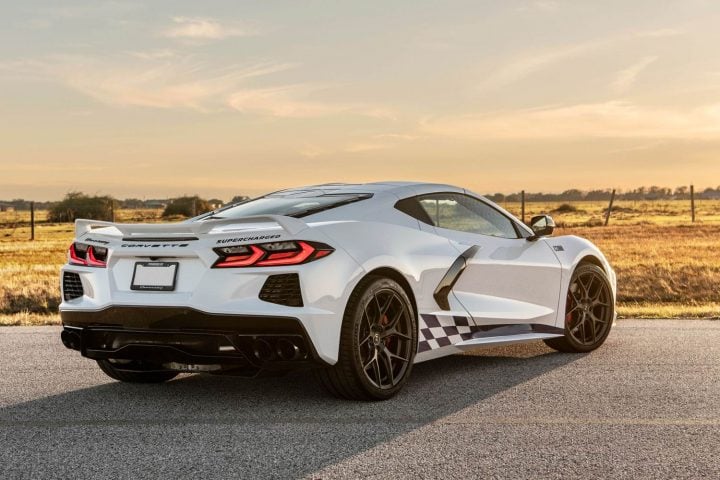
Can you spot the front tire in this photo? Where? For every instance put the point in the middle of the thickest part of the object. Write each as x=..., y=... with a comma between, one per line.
x=589, y=312
x=146, y=375
x=378, y=342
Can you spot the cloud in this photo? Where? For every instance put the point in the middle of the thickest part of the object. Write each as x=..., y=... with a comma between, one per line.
x=205, y=29
x=151, y=79
x=96, y=9
x=540, y=5
x=397, y=136
x=295, y=101
x=612, y=119
x=626, y=78
x=523, y=66
x=361, y=147
x=659, y=33
x=167, y=80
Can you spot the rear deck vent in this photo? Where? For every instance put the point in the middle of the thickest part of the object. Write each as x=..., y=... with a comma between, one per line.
x=283, y=290
x=72, y=286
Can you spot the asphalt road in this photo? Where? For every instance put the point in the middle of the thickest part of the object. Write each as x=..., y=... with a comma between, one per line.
x=646, y=405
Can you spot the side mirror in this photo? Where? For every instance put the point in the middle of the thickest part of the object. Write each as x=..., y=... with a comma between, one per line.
x=542, y=226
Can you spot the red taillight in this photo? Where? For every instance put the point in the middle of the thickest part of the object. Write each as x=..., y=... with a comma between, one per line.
x=271, y=254
x=87, y=255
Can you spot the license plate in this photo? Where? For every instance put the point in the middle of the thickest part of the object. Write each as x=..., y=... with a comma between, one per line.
x=157, y=276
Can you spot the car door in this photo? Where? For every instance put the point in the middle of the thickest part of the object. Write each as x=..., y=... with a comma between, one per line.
x=508, y=279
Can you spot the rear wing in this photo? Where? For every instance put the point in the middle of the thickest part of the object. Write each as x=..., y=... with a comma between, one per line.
x=290, y=224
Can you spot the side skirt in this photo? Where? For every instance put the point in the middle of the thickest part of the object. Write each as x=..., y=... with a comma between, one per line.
x=490, y=335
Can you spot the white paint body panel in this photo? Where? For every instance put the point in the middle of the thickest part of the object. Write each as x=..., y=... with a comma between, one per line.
x=507, y=282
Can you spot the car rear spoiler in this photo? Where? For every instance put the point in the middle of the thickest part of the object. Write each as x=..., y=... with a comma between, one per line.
x=290, y=224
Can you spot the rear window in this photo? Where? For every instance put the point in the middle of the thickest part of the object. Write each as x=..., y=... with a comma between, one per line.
x=290, y=205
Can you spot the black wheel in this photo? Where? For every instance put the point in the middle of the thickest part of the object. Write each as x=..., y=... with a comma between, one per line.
x=377, y=343
x=135, y=373
x=589, y=313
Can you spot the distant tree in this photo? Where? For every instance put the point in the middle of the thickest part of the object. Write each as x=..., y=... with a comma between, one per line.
x=187, y=206
x=496, y=197
x=572, y=194
x=239, y=198
x=78, y=205
x=595, y=195
x=132, y=203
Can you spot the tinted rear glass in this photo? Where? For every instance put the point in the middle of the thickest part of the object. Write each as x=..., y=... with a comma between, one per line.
x=290, y=205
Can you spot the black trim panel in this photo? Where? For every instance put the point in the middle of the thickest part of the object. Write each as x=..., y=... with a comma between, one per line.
x=179, y=318
x=186, y=335
x=510, y=329
x=442, y=291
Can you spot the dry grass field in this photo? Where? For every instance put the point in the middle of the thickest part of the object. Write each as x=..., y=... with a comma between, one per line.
x=667, y=266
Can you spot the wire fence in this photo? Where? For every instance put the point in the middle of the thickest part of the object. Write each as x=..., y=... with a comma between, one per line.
x=31, y=223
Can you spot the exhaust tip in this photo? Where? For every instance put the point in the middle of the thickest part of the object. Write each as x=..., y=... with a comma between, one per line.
x=71, y=340
x=287, y=349
x=263, y=350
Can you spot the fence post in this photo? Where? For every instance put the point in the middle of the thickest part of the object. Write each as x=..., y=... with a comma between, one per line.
x=692, y=202
x=609, y=210
x=522, y=205
x=32, y=220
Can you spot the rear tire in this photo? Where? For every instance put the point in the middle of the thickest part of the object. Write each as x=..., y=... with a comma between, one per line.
x=589, y=313
x=378, y=342
x=136, y=376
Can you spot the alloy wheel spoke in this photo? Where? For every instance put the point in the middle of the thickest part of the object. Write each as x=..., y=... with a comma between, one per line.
x=376, y=369
x=397, y=357
x=363, y=342
x=576, y=307
x=387, y=360
x=583, y=286
x=396, y=318
x=597, y=319
x=589, y=298
x=385, y=338
x=366, y=316
x=575, y=294
x=395, y=333
x=372, y=359
x=577, y=327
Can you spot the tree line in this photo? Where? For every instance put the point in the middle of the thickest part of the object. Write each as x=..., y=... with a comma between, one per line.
x=640, y=193
x=79, y=204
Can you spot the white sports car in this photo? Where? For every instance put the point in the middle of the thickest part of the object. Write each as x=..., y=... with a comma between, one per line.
x=359, y=281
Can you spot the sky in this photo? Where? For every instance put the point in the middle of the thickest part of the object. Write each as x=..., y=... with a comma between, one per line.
x=222, y=98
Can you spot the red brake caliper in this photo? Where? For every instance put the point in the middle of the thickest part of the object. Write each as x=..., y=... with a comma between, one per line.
x=384, y=321
x=571, y=305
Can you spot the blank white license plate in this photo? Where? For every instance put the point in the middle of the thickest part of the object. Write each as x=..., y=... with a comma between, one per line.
x=158, y=276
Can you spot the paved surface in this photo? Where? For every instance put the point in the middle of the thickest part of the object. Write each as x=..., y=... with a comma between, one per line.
x=646, y=405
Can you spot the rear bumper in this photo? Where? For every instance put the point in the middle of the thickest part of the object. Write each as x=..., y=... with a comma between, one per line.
x=185, y=336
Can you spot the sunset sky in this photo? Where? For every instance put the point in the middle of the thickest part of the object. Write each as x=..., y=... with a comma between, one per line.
x=220, y=98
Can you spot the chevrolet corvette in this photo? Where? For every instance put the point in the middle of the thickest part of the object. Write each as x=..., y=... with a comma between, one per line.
x=357, y=281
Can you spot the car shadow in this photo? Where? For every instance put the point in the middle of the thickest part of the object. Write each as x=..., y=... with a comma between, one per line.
x=283, y=427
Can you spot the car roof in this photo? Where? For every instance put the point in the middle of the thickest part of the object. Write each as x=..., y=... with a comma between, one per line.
x=400, y=188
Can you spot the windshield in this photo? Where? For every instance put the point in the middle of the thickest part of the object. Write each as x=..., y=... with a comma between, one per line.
x=292, y=206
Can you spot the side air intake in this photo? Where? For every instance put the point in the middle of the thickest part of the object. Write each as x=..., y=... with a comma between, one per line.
x=283, y=290
x=72, y=286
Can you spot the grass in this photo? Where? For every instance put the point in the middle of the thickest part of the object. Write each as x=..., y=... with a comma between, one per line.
x=667, y=267
x=624, y=213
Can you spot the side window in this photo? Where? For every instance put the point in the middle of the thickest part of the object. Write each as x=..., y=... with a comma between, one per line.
x=466, y=214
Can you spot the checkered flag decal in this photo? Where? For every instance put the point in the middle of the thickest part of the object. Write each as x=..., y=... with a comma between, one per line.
x=437, y=331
